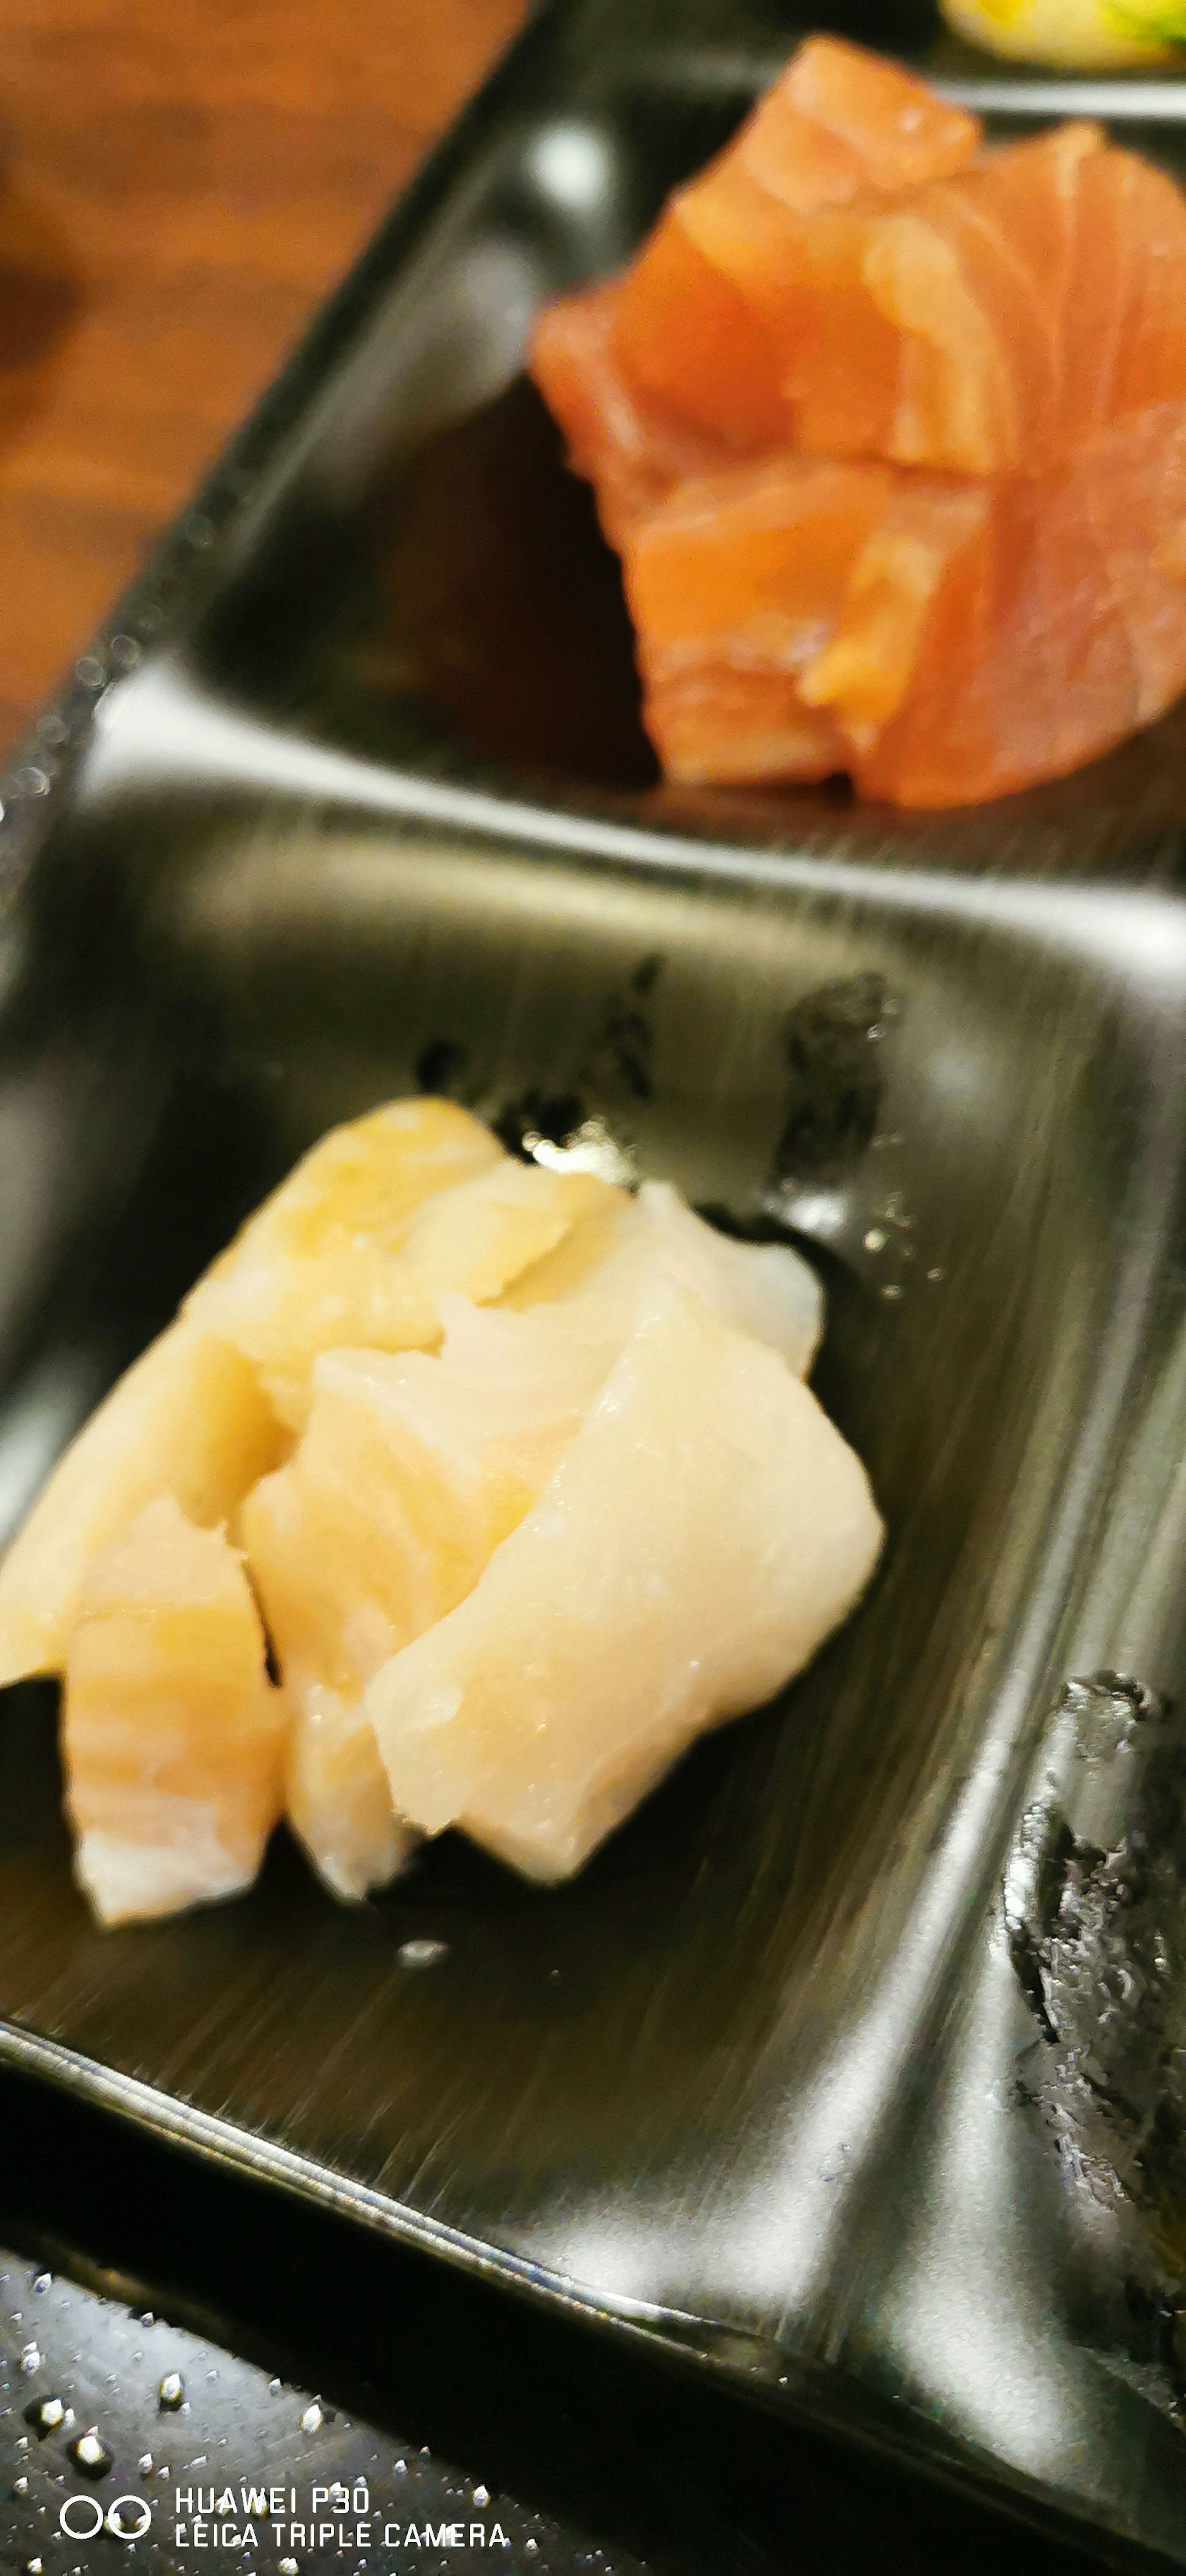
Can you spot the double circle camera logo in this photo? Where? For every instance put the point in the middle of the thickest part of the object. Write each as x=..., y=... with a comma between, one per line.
x=82, y=2517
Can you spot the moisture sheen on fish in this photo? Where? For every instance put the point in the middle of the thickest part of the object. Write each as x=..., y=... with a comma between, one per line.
x=705, y=1531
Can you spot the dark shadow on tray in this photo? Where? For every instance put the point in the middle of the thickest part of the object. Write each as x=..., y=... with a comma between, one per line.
x=30, y=1770
x=474, y=608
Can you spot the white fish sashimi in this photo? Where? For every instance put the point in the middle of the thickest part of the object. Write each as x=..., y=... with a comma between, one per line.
x=188, y=1418
x=705, y=1531
x=613, y=1251
x=764, y=1289
x=410, y=1471
x=172, y=1735
x=413, y=1468
x=359, y=1290
x=338, y=1801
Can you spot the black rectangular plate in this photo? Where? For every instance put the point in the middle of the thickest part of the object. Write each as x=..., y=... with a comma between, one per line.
x=352, y=796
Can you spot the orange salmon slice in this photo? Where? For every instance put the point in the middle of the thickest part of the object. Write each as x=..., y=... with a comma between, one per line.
x=703, y=319
x=889, y=430
x=988, y=323
x=941, y=640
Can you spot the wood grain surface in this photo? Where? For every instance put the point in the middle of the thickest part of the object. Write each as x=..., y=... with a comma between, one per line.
x=180, y=181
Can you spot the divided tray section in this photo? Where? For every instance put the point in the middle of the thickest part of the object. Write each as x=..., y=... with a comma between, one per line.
x=796, y=2074
x=711, y=2084
x=417, y=577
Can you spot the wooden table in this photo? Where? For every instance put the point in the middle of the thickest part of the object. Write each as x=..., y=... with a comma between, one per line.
x=180, y=180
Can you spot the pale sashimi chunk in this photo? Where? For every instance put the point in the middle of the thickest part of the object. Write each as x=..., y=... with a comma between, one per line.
x=590, y=1240
x=704, y=1533
x=474, y=1237
x=765, y=1289
x=317, y=1263
x=189, y=1419
x=410, y=1471
x=343, y=1578
x=477, y=1239
x=367, y=1179
x=413, y=1468
x=172, y=1733
x=337, y=1799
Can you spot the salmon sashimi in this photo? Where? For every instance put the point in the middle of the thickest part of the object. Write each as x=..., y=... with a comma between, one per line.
x=631, y=446
x=1057, y=633
x=956, y=637
x=988, y=323
x=887, y=427
x=704, y=314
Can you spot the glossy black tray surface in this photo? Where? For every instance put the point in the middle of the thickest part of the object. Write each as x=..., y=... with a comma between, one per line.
x=316, y=2358
x=853, y=2069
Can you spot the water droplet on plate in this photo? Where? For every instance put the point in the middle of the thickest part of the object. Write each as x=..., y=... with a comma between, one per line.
x=288, y=2567
x=171, y=2392
x=481, y=2495
x=422, y=1954
x=274, y=2387
x=936, y=1273
x=48, y=2417
x=144, y=2465
x=44, y=2281
x=312, y=2419
x=147, y=2319
x=400, y=2468
x=20, y=2486
x=891, y=1293
x=875, y=1240
x=30, y=2358
x=91, y=2454
x=33, y=2567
